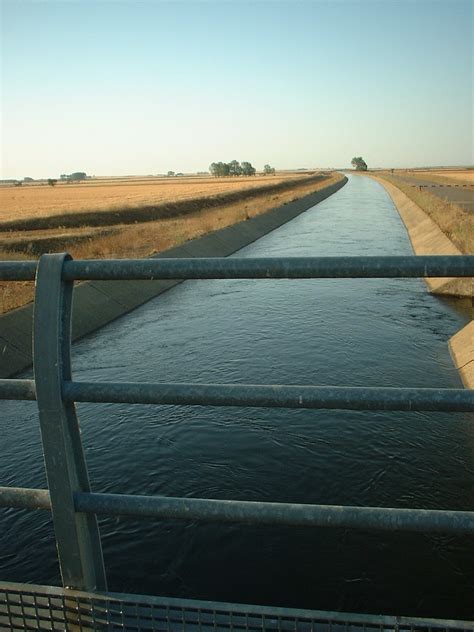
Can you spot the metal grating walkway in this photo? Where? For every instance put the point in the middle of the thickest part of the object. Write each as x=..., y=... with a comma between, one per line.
x=30, y=607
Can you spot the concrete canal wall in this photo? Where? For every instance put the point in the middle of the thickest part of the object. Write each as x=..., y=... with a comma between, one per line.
x=428, y=239
x=98, y=303
x=461, y=347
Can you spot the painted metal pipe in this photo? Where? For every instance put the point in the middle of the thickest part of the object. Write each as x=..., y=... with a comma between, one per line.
x=272, y=267
x=424, y=520
x=268, y=267
x=251, y=395
x=17, y=389
x=253, y=512
x=18, y=270
x=322, y=397
x=25, y=498
x=265, y=396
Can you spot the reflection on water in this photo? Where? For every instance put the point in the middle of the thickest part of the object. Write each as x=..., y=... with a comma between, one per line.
x=328, y=332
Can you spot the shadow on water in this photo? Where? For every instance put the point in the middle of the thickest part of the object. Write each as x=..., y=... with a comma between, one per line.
x=352, y=332
x=461, y=304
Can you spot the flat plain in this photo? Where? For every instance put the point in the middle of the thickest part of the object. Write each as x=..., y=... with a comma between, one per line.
x=463, y=175
x=43, y=200
x=135, y=218
x=440, y=176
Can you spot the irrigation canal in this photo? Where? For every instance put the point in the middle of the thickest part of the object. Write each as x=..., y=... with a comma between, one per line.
x=327, y=332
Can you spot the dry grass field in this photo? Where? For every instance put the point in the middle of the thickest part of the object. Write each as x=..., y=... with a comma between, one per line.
x=41, y=200
x=143, y=229
x=441, y=176
x=461, y=175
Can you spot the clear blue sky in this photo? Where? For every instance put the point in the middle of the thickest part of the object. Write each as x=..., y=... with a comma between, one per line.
x=128, y=87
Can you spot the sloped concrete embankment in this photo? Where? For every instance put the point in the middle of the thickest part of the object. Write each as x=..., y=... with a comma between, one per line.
x=98, y=303
x=428, y=239
x=462, y=351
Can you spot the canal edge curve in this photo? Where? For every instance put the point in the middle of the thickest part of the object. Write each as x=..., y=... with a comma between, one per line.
x=97, y=303
x=428, y=239
x=462, y=353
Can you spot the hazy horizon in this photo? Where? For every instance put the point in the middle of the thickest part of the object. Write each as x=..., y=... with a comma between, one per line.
x=122, y=88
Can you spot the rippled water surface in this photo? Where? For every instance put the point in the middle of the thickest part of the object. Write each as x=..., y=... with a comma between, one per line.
x=328, y=332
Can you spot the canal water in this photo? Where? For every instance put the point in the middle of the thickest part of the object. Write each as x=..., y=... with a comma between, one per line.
x=326, y=332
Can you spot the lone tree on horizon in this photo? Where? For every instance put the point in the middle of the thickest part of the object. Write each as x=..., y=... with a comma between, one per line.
x=359, y=163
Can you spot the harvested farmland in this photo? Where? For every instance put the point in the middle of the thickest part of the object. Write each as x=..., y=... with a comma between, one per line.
x=102, y=204
x=163, y=225
x=440, y=176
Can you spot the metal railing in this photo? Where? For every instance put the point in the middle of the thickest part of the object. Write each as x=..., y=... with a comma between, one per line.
x=69, y=497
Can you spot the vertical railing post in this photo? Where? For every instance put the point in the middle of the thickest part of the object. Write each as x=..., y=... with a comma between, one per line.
x=77, y=534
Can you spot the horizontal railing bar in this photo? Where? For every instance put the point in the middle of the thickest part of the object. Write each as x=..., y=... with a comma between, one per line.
x=18, y=270
x=25, y=498
x=260, y=396
x=17, y=389
x=264, y=396
x=271, y=267
x=291, y=514
x=268, y=267
x=276, y=513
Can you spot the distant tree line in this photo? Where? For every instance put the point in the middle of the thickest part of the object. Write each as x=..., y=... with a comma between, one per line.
x=233, y=168
x=359, y=163
x=17, y=183
x=77, y=176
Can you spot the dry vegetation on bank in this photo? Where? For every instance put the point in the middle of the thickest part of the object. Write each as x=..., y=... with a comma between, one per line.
x=455, y=222
x=146, y=230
